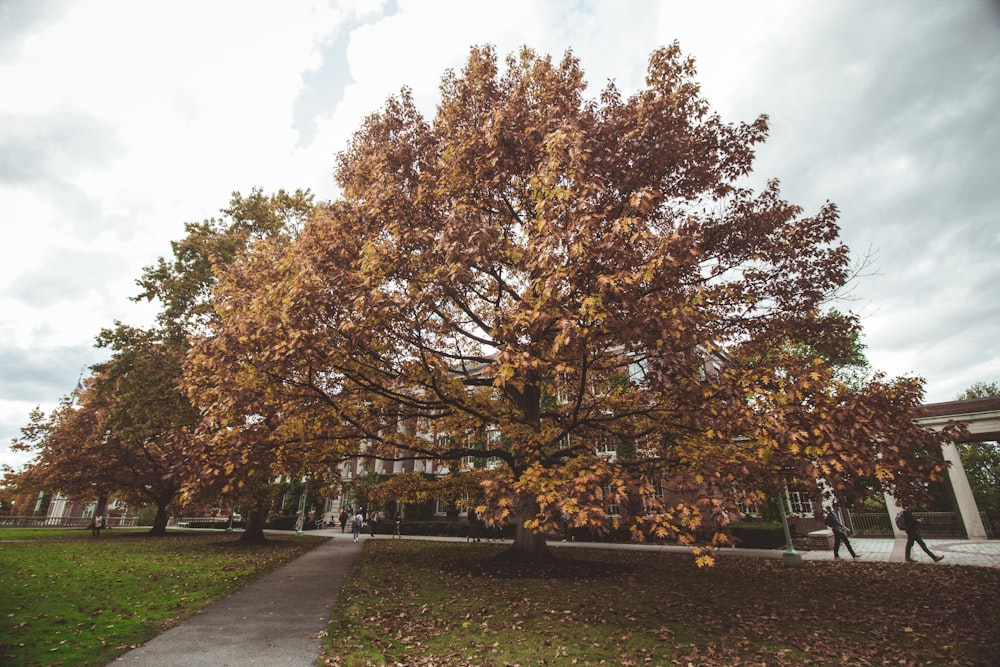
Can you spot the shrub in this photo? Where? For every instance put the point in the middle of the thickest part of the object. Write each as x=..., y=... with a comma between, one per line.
x=758, y=535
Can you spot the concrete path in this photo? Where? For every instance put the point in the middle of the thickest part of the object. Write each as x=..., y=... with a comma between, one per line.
x=979, y=553
x=280, y=619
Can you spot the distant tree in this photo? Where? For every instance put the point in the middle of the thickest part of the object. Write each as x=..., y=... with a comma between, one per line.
x=123, y=435
x=184, y=286
x=66, y=446
x=980, y=390
x=147, y=422
x=133, y=432
x=844, y=351
x=981, y=460
x=535, y=278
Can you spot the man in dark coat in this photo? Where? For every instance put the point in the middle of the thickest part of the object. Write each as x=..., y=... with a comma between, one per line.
x=834, y=523
x=912, y=527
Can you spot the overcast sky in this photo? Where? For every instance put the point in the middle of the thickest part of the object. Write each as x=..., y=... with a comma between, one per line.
x=122, y=120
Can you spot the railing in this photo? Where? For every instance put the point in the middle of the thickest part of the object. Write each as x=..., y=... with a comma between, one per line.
x=64, y=522
x=870, y=525
x=201, y=522
x=940, y=524
x=991, y=525
x=932, y=524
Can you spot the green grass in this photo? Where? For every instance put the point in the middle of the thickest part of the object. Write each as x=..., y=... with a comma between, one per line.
x=69, y=599
x=429, y=603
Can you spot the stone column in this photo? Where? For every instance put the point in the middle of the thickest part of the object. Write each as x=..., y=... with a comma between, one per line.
x=893, y=509
x=967, y=507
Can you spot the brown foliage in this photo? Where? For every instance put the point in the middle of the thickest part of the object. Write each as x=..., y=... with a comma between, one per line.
x=534, y=277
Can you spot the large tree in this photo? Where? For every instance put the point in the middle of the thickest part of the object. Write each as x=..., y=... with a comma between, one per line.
x=534, y=280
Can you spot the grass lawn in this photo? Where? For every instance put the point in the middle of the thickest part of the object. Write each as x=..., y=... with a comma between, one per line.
x=431, y=603
x=69, y=599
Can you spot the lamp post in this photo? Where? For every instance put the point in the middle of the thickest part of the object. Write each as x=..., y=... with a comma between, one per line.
x=302, y=508
x=791, y=557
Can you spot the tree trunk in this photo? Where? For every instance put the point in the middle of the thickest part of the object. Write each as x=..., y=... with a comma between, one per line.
x=254, y=533
x=102, y=507
x=528, y=545
x=160, y=522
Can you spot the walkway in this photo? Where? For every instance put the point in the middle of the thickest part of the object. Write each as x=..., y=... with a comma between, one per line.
x=279, y=620
x=282, y=618
x=979, y=553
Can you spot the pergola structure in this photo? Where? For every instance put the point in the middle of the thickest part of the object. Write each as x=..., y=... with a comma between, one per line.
x=981, y=417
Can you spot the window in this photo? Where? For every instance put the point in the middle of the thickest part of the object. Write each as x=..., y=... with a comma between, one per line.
x=440, y=508
x=800, y=503
x=614, y=509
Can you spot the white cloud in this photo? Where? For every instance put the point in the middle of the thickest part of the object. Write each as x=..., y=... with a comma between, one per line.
x=120, y=121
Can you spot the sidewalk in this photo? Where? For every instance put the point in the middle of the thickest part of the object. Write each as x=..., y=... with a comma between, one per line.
x=280, y=619
x=979, y=553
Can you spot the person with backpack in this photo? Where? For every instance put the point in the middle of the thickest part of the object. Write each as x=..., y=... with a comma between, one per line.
x=911, y=525
x=840, y=531
x=356, y=524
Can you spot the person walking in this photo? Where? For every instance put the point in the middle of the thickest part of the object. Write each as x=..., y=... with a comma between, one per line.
x=343, y=518
x=399, y=521
x=96, y=525
x=840, y=531
x=373, y=521
x=356, y=524
x=912, y=527
x=475, y=526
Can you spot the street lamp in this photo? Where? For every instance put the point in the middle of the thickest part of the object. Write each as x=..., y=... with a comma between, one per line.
x=302, y=508
x=791, y=557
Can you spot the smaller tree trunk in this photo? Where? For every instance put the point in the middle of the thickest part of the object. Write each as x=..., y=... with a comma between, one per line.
x=160, y=522
x=102, y=507
x=254, y=533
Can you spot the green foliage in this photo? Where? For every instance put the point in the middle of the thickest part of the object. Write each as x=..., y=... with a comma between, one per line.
x=981, y=460
x=287, y=522
x=146, y=516
x=72, y=600
x=841, y=347
x=626, y=449
x=980, y=390
x=874, y=504
x=458, y=604
x=420, y=511
x=758, y=534
x=183, y=285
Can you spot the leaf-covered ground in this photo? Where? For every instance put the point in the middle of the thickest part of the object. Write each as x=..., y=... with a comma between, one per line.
x=422, y=603
x=69, y=599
